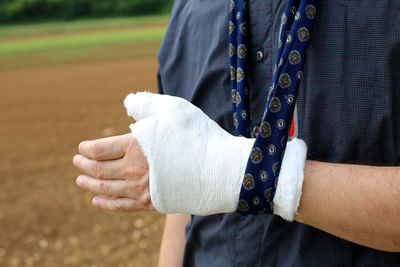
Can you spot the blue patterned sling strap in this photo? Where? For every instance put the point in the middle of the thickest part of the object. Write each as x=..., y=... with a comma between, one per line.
x=263, y=167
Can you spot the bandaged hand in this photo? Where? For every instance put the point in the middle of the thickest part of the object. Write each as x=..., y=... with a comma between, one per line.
x=194, y=166
x=178, y=160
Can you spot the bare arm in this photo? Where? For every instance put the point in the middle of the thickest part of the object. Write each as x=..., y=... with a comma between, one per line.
x=357, y=203
x=173, y=241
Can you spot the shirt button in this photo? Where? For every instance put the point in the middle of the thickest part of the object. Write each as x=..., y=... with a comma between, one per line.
x=260, y=55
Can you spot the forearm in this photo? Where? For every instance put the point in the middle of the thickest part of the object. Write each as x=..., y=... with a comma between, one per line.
x=173, y=241
x=354, y=202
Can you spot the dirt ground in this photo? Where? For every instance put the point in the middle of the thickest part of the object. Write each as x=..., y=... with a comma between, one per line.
x=45, y=220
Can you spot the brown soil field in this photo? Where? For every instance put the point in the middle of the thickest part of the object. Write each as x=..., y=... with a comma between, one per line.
x=45, y=220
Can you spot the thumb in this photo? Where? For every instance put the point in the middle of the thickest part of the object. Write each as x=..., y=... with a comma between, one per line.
x=144, y=104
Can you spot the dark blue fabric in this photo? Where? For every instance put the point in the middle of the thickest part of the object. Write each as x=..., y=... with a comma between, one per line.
x=261, y=176
x=238, y=35
x=348, y=109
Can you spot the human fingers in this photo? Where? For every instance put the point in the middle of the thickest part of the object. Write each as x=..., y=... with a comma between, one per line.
x=111, y=169
x=120, y=188
x=122, y=204
x=105, y=148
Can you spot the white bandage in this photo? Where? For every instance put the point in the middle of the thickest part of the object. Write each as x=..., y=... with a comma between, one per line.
x=290, y=183
x=195, y=166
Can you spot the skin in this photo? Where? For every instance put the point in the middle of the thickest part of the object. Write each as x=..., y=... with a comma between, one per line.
x=354, y=202
x=116, y=171
x=173, y=241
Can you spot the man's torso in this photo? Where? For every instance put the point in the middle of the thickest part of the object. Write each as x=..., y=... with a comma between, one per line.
x=348, y=112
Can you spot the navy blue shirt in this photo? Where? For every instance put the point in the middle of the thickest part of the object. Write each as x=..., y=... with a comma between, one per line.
x=348, y=111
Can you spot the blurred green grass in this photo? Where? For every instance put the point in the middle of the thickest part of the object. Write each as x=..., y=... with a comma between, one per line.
x=26, y=30
x=83, y=39
x=80, y=41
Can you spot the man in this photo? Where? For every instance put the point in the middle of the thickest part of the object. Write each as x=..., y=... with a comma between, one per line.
x=348, y=112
